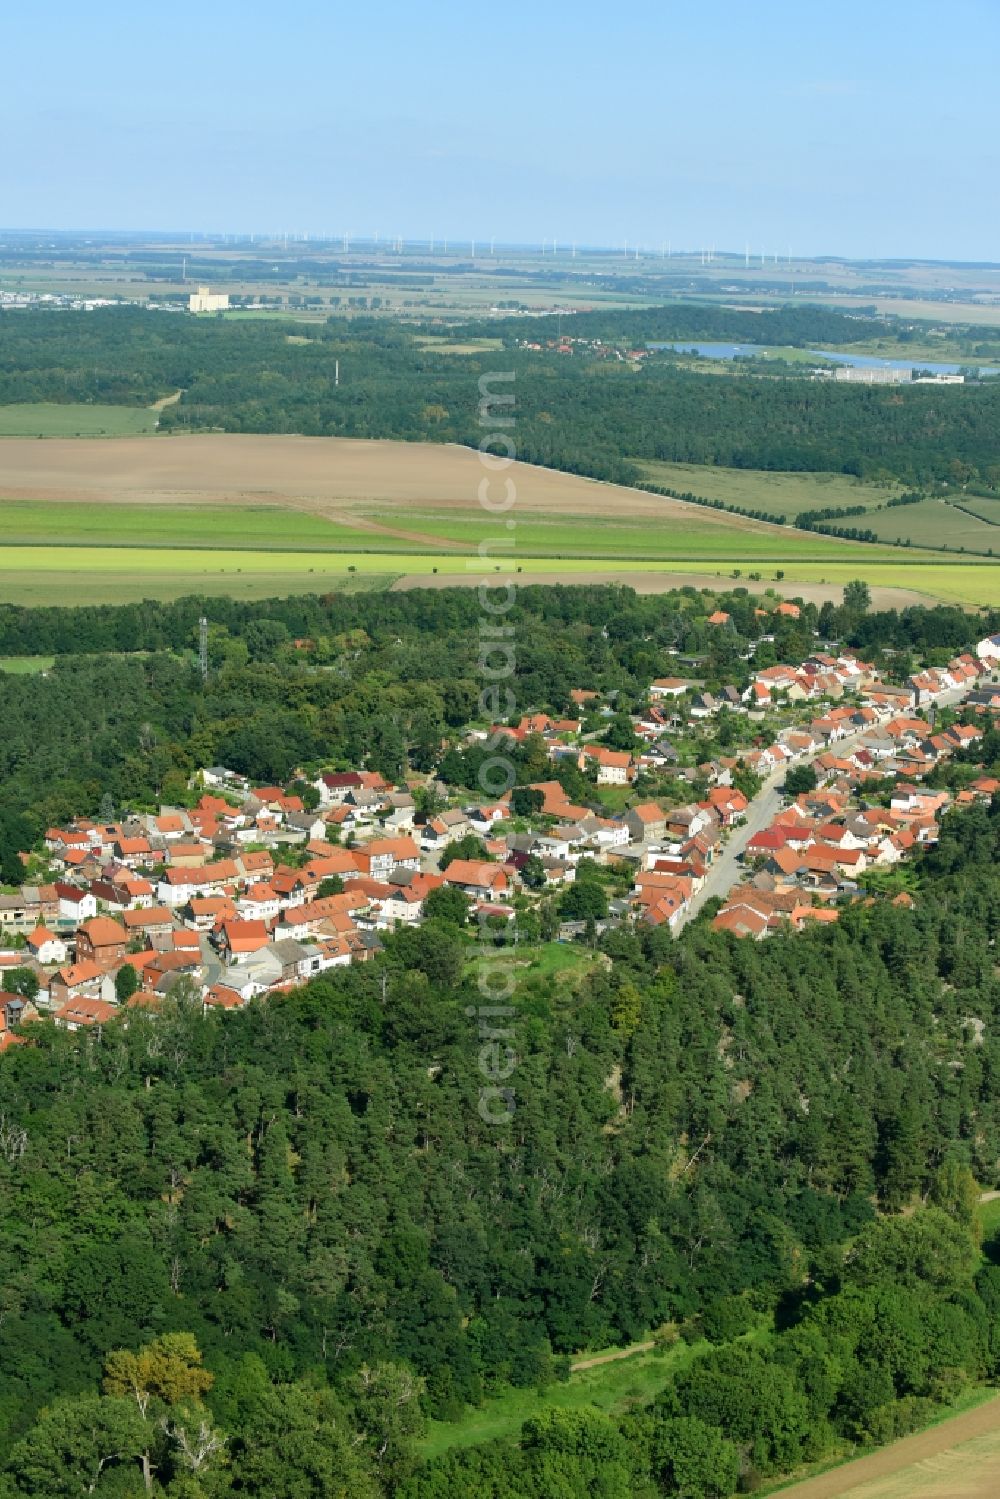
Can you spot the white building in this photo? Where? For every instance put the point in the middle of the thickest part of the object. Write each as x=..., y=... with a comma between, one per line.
x=204, y=300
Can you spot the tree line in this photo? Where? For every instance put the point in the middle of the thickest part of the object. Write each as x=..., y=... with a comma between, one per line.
x=578, y=414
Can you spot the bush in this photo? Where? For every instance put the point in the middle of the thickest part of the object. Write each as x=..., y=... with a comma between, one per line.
x=726, y=1318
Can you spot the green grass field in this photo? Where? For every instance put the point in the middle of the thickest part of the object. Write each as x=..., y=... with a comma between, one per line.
x=989, y=1219
x=758, y=489
x=109, y=574
x=691, y=536
x=609, y=1387
x=24, y=666
x=986, y=507
x=934, y=523
x=436, y=345
x=56, y=523
x=75, y=421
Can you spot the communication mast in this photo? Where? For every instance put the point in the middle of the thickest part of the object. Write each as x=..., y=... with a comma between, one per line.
x=203, y=648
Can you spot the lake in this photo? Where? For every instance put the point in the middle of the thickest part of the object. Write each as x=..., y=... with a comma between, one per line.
x=858, y=361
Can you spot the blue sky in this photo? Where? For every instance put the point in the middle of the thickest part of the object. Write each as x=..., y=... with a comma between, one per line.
x=860, y=129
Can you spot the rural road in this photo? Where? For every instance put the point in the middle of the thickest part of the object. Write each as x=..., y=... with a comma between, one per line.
x=727, y=870
x=919, y=1448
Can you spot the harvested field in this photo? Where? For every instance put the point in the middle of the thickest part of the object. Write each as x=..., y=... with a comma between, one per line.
x=316, y=473
x=386, y=493
x=89, y=521
x=957, y=1459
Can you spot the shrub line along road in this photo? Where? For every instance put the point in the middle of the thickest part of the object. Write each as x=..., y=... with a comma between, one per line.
x=727, y=870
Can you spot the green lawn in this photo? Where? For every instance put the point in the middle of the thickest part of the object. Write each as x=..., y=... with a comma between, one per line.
x=615, y=798
x=559, y=962
x=554, y=960
x=693, y=536
x=51, y=420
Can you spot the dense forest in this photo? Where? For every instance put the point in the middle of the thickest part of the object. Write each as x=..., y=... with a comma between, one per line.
x=677, y=322
x=305, y=1196
x=578, y=413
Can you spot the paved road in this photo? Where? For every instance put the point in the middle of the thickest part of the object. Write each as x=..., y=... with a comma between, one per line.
x=727, y=870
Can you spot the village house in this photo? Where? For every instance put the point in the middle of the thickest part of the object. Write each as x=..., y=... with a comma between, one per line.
x=480, y=880
x=14, y=1010
x=75, y=905
x=260, y=902
x=614, y=767
x=445, y=828
x=646, y=823
x=155, y=924
x=46, y=948
x=101, y=940
x=668, y=687
x=81, y=980
x=236, y=939
x=406, y=903
x=382, y=856
x=80, y=1012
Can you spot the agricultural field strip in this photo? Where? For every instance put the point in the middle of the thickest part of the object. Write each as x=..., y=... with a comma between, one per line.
x=368, y=494
x=90, y=421
x=952, y=522
x=285, y=527
x=779, y=493
x=105, y=512
x=93, y=573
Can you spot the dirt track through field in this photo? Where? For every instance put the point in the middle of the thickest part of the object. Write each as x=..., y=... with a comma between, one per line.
x=875, y=1476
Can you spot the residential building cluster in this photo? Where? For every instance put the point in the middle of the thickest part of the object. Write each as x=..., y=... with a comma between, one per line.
x=249, y=892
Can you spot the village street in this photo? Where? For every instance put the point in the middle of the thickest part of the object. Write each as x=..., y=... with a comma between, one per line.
x=727, y=870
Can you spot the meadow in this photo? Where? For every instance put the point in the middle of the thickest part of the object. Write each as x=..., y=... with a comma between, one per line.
x=286, y=528
x=935, y=523
x=985, y=506
x=26, y=666
x=50, y=420
x=612, y=1386
x=776, y=493
x=59, y=523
